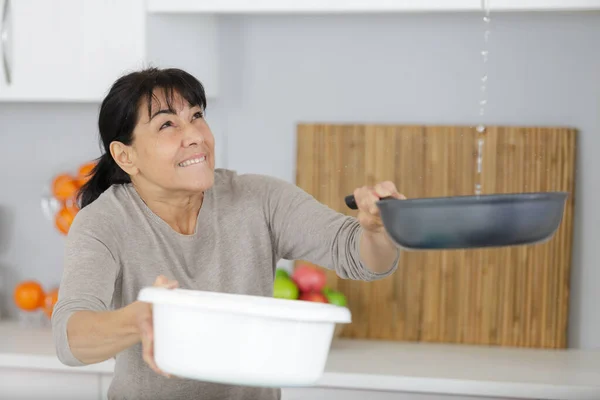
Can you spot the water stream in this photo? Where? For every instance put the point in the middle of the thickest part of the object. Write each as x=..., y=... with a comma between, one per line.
x=481, y=128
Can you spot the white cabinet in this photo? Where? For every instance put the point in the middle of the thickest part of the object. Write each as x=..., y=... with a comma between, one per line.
x=74, y=50
x=22, y=384
x=105, y=381
x=68, y=50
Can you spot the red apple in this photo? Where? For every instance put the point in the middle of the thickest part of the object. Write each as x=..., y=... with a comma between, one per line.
x=313, y=296
x=309, y=278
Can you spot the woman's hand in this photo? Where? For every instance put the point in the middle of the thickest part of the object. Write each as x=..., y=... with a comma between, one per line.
x=145, y=327
x=377, y=250
x=366, y=199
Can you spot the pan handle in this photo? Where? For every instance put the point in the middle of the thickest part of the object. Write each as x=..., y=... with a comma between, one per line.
x=351, y=202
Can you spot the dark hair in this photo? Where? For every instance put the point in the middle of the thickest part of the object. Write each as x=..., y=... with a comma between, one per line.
x=119, y=115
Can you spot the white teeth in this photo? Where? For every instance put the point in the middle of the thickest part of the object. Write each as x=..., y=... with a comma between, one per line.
x=192, y=161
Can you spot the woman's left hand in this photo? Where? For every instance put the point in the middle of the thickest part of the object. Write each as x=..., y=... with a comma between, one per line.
x=366, y=199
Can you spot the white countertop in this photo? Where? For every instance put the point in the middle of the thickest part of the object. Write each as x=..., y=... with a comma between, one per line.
x=380, y=365
x=34, y=348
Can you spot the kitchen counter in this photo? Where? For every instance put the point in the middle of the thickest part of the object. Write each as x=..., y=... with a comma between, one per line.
x=33, y=348
x=389, y=366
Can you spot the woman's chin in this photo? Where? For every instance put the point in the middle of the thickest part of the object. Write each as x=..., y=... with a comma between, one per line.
x=201, y=183
x=197, y=178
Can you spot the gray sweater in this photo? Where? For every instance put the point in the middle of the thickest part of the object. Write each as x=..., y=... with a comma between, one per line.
x=117, y=245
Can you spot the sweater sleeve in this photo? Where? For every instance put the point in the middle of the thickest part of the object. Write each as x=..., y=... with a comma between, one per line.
x=88, y=279
x=302, y=228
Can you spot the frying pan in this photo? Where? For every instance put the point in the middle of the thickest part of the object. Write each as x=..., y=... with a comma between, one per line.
x=467, y=222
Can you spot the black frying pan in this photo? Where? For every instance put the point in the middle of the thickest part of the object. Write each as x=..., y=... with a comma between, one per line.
x=465, y=222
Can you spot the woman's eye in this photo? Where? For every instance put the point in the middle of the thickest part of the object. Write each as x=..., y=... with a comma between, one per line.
x=166, y=125
x=197, y=115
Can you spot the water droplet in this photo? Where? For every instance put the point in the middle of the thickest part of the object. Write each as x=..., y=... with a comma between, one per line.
x=486, y=19
x=483, y=102
x=485, y=5
x=484, y=78
x=480, y=128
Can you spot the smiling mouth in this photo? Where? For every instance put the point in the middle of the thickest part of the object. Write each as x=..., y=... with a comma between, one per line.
x=192, y=161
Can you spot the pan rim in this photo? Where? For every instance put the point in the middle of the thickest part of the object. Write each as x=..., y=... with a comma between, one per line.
x=479, y=199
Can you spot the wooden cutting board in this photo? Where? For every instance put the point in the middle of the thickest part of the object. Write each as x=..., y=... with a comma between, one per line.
x=506, y=296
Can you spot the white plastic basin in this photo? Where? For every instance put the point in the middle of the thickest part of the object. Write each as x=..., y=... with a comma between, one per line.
x=241, y=339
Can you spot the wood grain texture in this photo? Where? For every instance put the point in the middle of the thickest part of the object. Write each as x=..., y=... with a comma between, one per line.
x=516, y=296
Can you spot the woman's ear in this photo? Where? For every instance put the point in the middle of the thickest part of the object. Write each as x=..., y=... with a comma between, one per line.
x=123, y=156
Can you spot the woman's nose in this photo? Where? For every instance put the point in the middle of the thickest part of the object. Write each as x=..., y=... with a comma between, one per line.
x=192, y=135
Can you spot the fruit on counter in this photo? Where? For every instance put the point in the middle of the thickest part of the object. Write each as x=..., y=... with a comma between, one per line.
x=309, y=278
x=50, y=299
x=336, y=298
x=285, y=288
x=317, y=297
x=29, y=295
x=83, y=174
x=306, y=283
x=64, y=218
x=64, y=187
x=279, y=272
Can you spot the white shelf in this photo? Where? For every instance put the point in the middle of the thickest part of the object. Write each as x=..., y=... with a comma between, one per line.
x=361, y=6
x=309, y=6
x=544, y=5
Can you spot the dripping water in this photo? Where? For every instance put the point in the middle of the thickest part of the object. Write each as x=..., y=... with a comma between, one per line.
x=481, y=129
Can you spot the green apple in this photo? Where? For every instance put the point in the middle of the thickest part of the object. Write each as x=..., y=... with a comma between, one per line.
x=285, y=288
x=281, y=273
x=336, y=298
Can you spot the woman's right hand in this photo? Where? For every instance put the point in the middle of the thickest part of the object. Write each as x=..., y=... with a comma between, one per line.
x=145, y=327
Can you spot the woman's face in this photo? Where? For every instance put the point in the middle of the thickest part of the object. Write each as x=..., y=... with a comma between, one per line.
x=173, y=151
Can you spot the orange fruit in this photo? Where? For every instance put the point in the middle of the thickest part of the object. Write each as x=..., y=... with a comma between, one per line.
x=64, y=218
x=64, y=187
x=50, y=300
x=84, y=173
x=29, y=295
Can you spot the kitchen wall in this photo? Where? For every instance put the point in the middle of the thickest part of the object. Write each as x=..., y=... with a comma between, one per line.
x=544, y=69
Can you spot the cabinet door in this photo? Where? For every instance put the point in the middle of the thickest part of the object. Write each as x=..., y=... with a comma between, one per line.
x=67, y=50
x=105, y=381
x=17, y=384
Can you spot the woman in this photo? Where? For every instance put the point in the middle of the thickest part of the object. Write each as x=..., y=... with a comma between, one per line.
x=156, y=212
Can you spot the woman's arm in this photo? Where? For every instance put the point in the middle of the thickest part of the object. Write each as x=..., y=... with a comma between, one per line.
x=82, y=317
x=86, y=329
x=376, y=247
x=377, y=251
x=95, y=336
x=305, y=229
